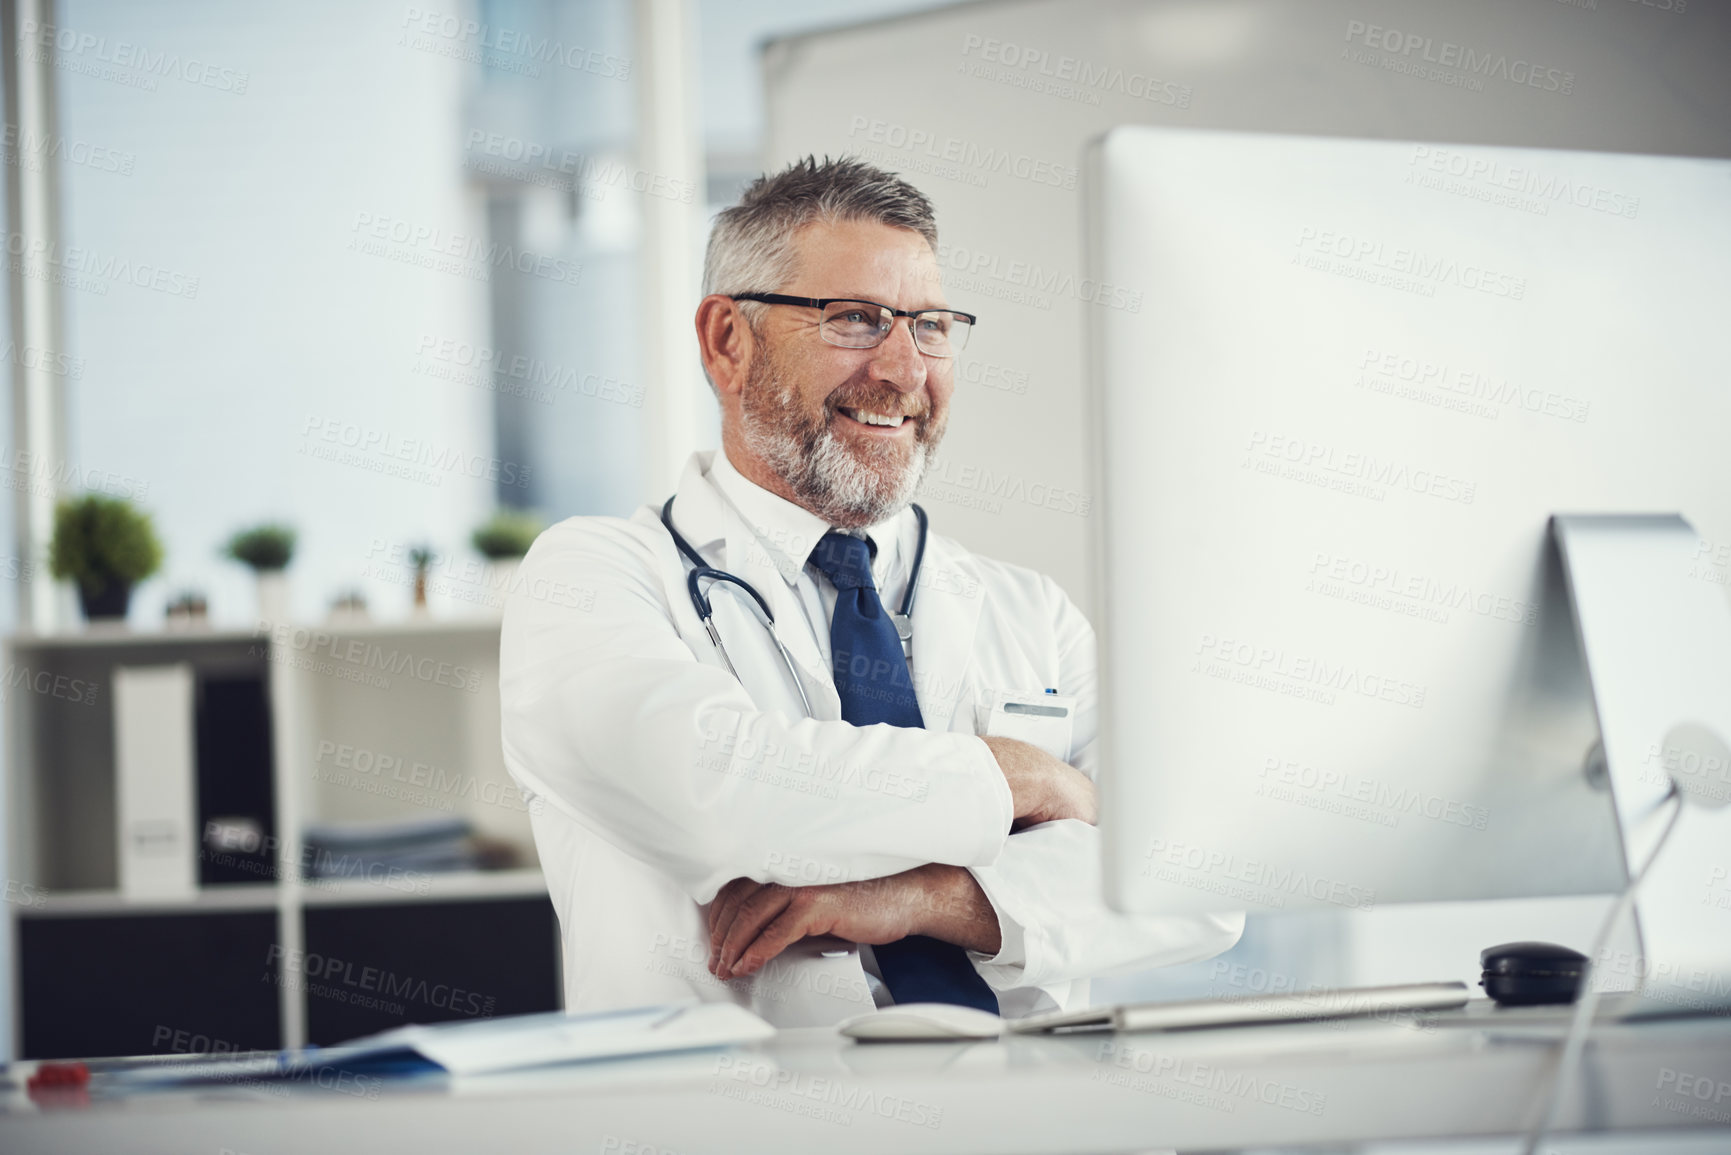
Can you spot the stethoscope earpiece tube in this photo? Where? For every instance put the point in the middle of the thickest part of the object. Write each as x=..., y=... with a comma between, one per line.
x=919, y=560
x=707, y=573
x=699, y=602
x=703, y=571
x=679, y=541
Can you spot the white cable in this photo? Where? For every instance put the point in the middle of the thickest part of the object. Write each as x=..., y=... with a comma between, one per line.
x=1588, y=998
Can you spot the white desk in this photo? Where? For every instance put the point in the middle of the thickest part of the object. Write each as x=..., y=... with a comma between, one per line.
x=1471, y=1075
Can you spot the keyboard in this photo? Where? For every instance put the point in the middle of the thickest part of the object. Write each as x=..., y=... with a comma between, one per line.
x=1300, y=1006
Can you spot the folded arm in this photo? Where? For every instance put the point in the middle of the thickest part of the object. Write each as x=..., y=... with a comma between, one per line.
x=1035, y=916
x=750, y=923
x=608, y=714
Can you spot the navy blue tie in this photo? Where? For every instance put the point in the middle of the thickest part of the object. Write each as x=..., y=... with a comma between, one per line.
x=872, y=679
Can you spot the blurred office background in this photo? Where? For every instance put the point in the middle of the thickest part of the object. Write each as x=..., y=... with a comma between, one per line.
x=378, y=270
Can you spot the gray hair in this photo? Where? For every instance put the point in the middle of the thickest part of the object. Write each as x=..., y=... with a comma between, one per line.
x=751, y=247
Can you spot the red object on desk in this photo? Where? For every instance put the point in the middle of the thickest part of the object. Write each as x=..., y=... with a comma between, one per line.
x=59, y=1075
x=60, y=1085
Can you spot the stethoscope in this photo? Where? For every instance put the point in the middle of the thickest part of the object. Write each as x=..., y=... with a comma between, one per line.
x=702, y=571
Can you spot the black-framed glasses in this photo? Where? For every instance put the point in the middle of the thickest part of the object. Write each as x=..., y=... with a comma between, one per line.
x=855, y=324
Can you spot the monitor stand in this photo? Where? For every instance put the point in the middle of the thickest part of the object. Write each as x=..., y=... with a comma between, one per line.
x=1655, y=637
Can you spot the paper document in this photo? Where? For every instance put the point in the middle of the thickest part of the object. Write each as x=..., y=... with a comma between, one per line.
x=485, y=1046
x=476, y=1048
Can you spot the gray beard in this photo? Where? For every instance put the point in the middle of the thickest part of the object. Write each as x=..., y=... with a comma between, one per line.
x=843, y=486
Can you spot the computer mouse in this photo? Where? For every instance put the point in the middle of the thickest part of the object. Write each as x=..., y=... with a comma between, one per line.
x=1530, y=974
x=910, y=1021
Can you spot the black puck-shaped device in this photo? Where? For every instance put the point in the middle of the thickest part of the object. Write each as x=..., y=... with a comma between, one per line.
x=1529, y=974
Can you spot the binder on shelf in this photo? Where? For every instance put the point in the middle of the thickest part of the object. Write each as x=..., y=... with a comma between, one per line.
x=155, y=807
x=236, y=802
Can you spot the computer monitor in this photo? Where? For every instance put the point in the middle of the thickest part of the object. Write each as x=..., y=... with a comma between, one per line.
x=1340, y=664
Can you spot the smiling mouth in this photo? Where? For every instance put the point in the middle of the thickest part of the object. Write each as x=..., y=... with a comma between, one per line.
x=869, y=417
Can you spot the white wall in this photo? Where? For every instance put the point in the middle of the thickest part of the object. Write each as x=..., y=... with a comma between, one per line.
x=262, y=195
x=1641, y=79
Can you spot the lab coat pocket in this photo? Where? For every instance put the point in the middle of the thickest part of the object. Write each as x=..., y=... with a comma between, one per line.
x=1043, y=720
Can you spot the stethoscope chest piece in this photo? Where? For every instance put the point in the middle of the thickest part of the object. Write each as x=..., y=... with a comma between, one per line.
x=904, y=628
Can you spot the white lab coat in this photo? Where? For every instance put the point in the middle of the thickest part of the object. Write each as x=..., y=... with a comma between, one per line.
x=663, y=777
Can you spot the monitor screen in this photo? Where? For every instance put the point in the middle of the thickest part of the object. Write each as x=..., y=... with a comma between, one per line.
x=1337, y=670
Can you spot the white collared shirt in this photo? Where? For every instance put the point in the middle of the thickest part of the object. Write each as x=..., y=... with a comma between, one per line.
x=788, y=533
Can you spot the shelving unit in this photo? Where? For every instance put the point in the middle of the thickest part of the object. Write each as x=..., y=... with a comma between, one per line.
x=368, y=721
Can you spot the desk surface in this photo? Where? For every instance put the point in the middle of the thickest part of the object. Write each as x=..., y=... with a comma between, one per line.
x=1472, y=1074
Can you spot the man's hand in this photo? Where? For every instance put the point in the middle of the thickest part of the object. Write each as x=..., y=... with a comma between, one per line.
x=1043, y=788
x=752, y=922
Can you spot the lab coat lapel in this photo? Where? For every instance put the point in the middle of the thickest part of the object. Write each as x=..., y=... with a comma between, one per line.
x=710, y=518
x=946, y=618
x=747, y=557
x=698, y=511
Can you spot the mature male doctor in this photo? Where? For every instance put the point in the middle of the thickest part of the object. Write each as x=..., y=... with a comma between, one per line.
x=905, y=822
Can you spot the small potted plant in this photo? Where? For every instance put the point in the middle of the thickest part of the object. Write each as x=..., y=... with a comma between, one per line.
x=188, y=609
x=422, y=558
x=348, y=607
x=267, y=550
x=105, y=545
x=503, y=539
